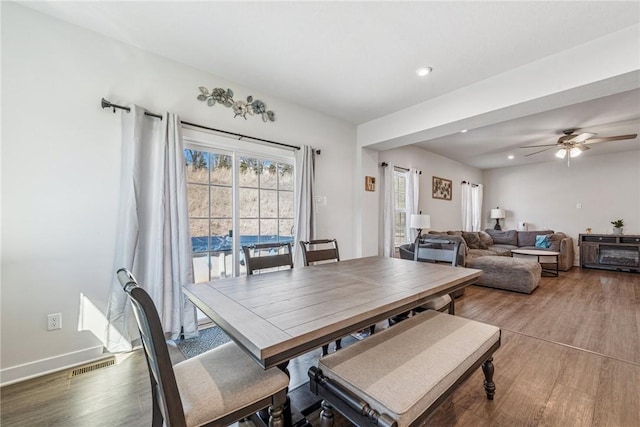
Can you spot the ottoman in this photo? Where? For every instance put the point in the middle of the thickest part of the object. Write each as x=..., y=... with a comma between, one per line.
x=511, y=274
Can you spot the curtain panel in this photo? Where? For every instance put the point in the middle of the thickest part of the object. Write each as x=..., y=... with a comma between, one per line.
x=413, y=197
x=472, y=206
x=388, y=211
x=153, y=238
x=305, y=200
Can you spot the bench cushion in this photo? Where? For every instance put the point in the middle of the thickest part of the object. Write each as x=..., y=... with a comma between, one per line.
x=402, y=370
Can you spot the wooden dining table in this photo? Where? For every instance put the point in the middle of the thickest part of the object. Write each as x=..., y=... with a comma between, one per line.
x=280, y=315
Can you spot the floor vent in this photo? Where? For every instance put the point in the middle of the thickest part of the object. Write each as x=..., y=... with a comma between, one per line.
x=104, y=363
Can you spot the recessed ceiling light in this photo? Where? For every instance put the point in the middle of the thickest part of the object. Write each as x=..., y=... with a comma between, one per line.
x=510, y=157
x=464, y=130
x=423, y=71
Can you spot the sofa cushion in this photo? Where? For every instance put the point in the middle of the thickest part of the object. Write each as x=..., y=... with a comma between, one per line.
x=438, y=233
x=512, y=274
x=473, y=240
x=485, y=238
x=476, y=253
x=528, y=238
x=502, y=250
x=509, y=237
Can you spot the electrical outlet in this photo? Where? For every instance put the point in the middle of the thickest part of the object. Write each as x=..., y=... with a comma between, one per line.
x=54, y=321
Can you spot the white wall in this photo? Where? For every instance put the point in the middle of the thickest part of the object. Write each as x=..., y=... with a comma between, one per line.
x=60, y=174
x=546, y=195
x=445, y=214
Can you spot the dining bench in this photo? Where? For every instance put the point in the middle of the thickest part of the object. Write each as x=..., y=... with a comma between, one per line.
x=399, y=376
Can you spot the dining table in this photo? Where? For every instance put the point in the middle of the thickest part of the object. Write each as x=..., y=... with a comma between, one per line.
x=280, y=315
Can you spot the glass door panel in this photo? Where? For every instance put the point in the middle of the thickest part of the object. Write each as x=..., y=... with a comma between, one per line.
x=210, y=201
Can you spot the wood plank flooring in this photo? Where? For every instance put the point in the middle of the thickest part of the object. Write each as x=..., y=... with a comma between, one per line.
x=570, y=356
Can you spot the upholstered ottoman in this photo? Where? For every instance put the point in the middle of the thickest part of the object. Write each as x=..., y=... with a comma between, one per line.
x=511, y=274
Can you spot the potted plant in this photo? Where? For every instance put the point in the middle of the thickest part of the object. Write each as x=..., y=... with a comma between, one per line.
x=617, y=226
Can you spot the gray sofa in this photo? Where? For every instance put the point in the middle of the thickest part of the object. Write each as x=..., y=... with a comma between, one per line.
x=500, y=243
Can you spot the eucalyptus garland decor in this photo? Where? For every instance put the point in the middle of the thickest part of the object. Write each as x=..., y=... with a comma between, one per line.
x=240, y=108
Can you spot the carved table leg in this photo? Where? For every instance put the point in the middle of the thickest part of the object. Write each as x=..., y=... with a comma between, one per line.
x=489, y=386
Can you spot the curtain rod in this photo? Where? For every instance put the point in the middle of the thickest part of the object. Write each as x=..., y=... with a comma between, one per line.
x=106, y=104
x=385, y=164
x=470, y=183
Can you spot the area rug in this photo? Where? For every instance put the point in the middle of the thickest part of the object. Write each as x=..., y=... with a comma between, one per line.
x=209, y=338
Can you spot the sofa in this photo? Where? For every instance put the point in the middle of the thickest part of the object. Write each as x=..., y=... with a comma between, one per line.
x=500, y=243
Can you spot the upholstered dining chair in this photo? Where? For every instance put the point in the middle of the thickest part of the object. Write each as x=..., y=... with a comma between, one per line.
x=215, y=388
x=267, y=256
x=320, y=251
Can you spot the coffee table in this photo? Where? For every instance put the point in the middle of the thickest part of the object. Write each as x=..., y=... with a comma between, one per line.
x=538, y=254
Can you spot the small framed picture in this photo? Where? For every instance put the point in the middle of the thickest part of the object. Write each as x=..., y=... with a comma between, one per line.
x=370, y=183
x=442, y=188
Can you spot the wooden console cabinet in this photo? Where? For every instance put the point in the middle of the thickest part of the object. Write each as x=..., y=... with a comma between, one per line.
x=610, y=251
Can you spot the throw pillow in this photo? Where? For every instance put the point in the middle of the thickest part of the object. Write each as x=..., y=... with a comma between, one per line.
x=485, y=238
x=473, y=241
x=554, y=241
x=542, y=241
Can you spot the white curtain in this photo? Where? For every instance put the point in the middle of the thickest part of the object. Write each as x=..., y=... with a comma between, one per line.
x=153, y=239
x=413, y=197
x=388, y=223
x=305, y=198
x=471, y=207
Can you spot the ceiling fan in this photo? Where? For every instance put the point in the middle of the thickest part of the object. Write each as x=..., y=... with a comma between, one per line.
x=572, y=145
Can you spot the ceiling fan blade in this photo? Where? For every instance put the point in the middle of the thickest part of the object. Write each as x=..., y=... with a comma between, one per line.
x=536, y=146
x=582, y=137
x=531, y=154
x=611, y=138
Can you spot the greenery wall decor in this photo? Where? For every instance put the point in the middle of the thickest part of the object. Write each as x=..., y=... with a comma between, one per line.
x=240, y=108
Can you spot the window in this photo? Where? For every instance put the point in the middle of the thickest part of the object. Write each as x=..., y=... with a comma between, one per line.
x=400, y=204
x=235, y=199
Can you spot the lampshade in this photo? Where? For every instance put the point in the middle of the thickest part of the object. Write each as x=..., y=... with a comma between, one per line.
x=420, y=221
x=498, y=213
x=575, y=152
x=561, y=153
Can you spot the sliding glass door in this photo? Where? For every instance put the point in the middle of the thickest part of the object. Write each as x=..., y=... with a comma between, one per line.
x=235, y=199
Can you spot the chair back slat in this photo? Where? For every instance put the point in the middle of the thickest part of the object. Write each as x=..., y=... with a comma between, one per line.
x=437, y=250
x=255, y=262
x=164, y=389
x=312, y=255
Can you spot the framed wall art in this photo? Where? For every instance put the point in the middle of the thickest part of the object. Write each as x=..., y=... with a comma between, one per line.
x=370, y=183
x=442, y=188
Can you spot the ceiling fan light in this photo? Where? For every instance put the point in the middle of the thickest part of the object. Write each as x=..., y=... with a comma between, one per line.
x=561, y=154
x=575, y=152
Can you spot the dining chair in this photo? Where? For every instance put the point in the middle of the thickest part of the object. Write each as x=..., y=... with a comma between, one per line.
x=267, y=256
x=216, y=388
x=320, y=251
x=437, y=251
x=434, y=250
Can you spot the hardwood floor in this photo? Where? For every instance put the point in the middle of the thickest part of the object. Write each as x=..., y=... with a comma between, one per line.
x=570, y=356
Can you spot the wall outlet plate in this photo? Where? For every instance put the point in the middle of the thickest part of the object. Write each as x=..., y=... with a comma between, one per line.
x=54, y=321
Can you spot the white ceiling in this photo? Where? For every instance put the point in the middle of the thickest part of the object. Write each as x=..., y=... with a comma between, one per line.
x=357, y=60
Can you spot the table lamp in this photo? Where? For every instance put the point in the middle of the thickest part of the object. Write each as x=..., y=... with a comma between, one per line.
x=420, y=222
x=498, y=214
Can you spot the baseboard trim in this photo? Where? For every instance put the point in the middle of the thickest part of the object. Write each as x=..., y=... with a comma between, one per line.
x=38, y=368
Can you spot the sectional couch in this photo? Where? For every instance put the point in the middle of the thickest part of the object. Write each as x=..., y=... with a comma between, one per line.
x=500, y=243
